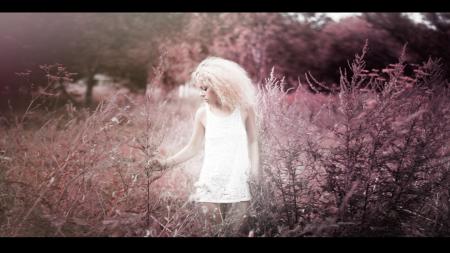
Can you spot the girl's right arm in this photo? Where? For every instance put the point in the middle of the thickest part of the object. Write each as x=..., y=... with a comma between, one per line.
x=194, y=145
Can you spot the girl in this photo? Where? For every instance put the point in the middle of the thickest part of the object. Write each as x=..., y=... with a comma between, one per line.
x=226, y=124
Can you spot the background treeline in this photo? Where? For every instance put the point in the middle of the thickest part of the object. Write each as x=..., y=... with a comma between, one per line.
x=128, y=46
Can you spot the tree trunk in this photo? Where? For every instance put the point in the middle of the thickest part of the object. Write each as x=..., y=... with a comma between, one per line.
x=89, y=87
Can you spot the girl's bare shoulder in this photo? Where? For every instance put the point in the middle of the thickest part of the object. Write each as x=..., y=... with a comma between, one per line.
x=200, y=114
x=247, y=112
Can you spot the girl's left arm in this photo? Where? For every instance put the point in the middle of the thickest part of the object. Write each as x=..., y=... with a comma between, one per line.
x=252, y=134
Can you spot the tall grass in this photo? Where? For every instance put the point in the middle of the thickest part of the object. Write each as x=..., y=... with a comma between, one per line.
x=369, y=159
x=372, y=160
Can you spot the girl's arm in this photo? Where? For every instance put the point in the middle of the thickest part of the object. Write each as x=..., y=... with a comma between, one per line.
x=252, y=134
x=194, y=144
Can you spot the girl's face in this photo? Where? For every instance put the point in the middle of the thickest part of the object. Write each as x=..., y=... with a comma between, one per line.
x=208, y=95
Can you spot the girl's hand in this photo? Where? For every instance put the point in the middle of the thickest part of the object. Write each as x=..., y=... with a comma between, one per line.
x=255, y=183
x=156, y=164
x=256, y=176
x=154, y=169
x=161, y=152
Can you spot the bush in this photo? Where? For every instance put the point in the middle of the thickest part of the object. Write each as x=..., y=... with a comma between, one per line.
x=371, y=158
x=378, y=166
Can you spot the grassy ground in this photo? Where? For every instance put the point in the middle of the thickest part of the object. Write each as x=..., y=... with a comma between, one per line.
x=357, y=162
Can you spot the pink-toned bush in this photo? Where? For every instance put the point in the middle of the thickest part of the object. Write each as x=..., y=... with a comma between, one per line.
x=83, y=173
x=368, y=159
x=391, y=157
x=375, y=165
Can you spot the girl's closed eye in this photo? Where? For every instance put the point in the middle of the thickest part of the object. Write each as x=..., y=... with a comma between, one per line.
x=204, y=88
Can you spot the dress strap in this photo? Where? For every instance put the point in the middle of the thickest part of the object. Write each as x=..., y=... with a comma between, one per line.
x=209, y=111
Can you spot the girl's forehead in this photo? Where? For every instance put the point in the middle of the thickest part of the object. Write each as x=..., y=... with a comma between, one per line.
x=200, y=84
x=193, y=83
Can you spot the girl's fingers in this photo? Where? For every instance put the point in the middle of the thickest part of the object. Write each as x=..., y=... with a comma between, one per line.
x=162, y=151
x=158, y=155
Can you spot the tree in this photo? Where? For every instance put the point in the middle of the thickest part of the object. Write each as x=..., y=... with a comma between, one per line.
x=257, y=41
x=341, y=40
x=121, y=45
x=27, y=41
x=426, y=39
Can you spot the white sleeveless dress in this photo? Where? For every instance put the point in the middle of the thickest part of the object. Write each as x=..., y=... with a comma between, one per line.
x=226, y=165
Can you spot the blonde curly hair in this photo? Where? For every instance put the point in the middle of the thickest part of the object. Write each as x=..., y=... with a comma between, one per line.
x=228, y=80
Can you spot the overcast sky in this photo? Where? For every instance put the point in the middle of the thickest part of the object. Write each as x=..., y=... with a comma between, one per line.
x=336, y=16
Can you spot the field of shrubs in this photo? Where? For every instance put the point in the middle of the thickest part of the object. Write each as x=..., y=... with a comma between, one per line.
x=368, y=158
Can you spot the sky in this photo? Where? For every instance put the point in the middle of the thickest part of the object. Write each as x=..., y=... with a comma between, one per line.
x=336, y=16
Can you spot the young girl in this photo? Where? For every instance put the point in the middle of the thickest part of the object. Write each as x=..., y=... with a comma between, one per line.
x=226, y=124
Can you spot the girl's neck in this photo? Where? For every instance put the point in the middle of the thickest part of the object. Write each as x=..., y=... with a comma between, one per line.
x=220, y=108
